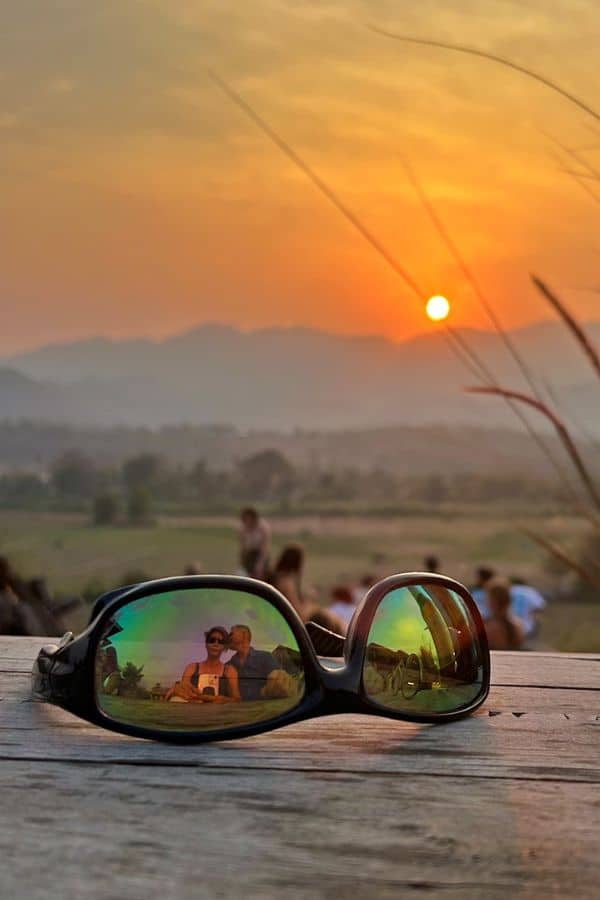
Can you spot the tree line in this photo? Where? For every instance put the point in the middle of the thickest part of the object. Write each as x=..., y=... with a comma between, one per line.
x=146, y=482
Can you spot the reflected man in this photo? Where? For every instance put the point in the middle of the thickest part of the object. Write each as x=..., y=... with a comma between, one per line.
x=256, y=669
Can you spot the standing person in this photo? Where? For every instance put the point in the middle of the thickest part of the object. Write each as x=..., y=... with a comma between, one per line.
x=287, y=576
x=255, y=543
x=211, y=680
x=504, y=630
x=432, y=564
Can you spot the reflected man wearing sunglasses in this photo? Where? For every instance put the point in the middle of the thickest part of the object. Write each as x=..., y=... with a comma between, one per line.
x=211, y=680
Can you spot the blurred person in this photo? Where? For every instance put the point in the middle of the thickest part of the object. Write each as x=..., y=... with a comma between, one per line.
x=194, y=568
x=325, y=619
x=255, y=543
x=18, y=614
x=287, y=576
x=483, y=574
x=526, y=603
x=11, y=614
x=432, y=564
x=504, y=630
x=342, y=605
x=211, y=680
x=362, y=588
x=48, y=616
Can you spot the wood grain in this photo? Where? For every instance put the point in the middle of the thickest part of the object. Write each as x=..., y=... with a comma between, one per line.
x=341, y=807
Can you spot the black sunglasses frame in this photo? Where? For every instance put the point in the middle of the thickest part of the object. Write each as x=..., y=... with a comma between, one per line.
x=64, y=674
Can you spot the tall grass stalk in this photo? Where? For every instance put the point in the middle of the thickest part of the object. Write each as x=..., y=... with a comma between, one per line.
x=483, y=54
x=565, y=558
x=560, y=428
x=456, y=341
x=572, y=324
x=470, y=277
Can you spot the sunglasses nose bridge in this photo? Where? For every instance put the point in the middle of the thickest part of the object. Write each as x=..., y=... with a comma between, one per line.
x=341, y=683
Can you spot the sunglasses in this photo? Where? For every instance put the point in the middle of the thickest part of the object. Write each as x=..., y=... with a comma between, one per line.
x=416, y=650
x=215, y=640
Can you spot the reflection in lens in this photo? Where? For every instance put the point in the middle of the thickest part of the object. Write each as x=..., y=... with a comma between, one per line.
x=423, y=653
x=197, y=660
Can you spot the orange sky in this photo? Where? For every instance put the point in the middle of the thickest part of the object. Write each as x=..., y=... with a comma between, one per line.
x=138, y=200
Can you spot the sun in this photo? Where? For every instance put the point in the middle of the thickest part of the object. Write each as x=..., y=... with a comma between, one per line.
x=437, y=308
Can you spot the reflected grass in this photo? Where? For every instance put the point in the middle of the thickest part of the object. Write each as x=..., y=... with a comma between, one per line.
x=443, y=700
x=165, y=716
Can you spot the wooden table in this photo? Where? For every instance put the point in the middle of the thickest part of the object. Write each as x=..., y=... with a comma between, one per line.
x=504, y=804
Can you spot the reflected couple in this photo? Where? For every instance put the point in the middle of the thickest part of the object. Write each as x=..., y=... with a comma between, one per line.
x=250, y=674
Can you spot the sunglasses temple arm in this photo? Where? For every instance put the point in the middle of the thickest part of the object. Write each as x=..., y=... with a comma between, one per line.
x=325, y=642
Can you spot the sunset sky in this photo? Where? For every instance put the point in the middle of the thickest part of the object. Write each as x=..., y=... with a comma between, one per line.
x=137, y=199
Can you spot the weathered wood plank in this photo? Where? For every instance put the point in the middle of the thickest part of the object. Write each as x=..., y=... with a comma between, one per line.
x=105, y=832
x=537, y=746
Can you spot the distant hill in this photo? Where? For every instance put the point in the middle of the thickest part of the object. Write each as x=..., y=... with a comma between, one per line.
x=287, y=378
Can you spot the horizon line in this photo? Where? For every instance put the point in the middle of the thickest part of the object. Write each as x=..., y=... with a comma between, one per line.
x=239, y=329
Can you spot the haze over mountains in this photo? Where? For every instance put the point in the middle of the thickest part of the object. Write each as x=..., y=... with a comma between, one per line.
x=287, y=378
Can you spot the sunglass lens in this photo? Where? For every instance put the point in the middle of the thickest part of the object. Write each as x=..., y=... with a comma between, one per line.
x=425, y=653
x=153, y=671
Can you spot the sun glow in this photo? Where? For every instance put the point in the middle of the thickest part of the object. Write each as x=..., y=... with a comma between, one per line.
x=437, y=308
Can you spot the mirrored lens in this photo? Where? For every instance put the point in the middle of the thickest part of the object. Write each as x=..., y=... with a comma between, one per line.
x=197, y=660
x=423, y=653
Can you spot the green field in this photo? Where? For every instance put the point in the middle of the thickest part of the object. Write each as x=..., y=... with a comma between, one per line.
x=193, y=716
x=76, y=557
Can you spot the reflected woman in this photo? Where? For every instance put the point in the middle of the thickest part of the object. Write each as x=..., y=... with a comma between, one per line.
x=211, y=680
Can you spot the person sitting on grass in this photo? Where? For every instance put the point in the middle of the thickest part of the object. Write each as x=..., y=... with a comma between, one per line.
x=342, y=606
x=287, y=577
x=211, y=680
x=504, y=630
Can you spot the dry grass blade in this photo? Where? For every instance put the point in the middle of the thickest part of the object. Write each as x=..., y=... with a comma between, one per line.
x=487, y=374
x=473, y=51
x=563, y=557
x=468, y=274
x=588, y=175
x=589, y=191
x=580, y=177
x=560, y=428
x=572, y=324
x=457, y=343
x=322, y=186
x=463, y=351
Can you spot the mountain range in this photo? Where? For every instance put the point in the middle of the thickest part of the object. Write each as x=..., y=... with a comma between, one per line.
x=291, y=378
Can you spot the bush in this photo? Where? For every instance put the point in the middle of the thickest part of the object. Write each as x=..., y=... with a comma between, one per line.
x=139, y=507
x=105, y=509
